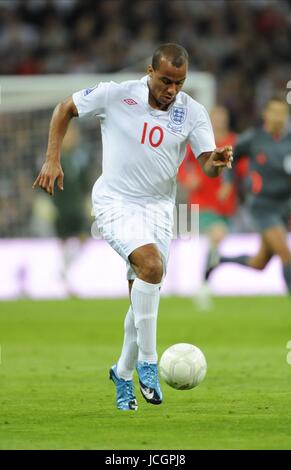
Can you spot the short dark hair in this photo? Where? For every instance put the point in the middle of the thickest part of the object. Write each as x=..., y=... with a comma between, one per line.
x=174, y=53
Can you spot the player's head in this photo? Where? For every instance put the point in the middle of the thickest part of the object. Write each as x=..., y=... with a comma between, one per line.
x=276, y=114
x=167, y=73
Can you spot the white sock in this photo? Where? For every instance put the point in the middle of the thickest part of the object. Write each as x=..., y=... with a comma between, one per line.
x=127, y=361
x=145, y=299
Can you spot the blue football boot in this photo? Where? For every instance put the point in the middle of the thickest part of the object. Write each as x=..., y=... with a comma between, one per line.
x=149, y=382
x=125, y=397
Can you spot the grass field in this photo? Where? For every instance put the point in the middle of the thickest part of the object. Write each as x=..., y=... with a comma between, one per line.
x=55, y=394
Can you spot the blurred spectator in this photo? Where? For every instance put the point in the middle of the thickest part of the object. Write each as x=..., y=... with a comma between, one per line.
x=70, y=205
x=72, y=213
x=23, y=139
x=245, y=44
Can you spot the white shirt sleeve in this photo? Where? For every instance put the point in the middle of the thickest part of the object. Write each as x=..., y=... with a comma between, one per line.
x=92, y=101
x=201, y=138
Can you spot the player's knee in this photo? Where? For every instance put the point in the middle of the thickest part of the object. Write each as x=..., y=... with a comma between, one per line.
x=258, y=264
x=217, y=234
x=152, y=270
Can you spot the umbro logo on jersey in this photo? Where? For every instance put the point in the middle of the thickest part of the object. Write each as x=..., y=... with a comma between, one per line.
x=89, y=90
x=130, y=101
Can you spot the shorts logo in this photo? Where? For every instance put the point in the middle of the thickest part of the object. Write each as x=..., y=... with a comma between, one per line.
x=178, y=115
x=130, y=101
x=89, y=90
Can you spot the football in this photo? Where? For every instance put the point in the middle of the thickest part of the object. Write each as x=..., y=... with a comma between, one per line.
x=183, y=366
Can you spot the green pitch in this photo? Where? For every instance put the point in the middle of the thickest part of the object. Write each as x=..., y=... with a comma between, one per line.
x=55, y=392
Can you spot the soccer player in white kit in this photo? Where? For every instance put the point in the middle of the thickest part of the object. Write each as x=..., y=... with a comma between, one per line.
x=145, y=127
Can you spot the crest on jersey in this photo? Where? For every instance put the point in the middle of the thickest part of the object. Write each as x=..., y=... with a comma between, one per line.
x=130, y=101
x=178, y=115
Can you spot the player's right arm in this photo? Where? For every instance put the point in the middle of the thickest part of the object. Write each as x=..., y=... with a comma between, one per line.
x=86, y=102
x=52, y=169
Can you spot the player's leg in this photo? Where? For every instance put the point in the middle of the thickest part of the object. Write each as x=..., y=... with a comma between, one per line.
x=276, y=238
x=216, y=234
x=215, y=228
x=145, y=296
x=131, y=232
x=147, y=263
x=263, y=219
x=129, y=354
x=258, y=261
x=122, y=372
x=216, y=231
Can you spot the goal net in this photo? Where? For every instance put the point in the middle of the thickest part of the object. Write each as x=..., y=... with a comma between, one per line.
x=25, y=110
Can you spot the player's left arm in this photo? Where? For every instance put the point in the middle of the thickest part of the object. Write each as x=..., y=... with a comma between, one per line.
x=212, y=163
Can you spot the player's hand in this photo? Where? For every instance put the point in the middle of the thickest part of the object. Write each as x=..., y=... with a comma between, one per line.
x=49, y=173
x=222, y=157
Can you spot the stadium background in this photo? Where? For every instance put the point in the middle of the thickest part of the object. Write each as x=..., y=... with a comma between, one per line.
x=55, y=355
x=244, y=46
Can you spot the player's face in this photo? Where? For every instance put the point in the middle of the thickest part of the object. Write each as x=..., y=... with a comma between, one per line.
x=165, y=83
x=275, y=116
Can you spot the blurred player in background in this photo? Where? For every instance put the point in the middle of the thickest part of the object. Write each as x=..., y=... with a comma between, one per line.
x=216, y=198
x=269, y=152
x=71, y=212
x=145, y=126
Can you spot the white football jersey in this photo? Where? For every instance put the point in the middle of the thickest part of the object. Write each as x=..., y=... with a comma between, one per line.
x=143, y=147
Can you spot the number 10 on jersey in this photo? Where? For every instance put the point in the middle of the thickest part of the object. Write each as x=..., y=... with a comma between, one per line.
x=154, y=136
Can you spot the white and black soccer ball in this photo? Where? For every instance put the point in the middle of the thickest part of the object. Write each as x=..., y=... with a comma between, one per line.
x=183, y=366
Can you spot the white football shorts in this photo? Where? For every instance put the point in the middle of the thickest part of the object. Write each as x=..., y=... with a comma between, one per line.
x=127, y=226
